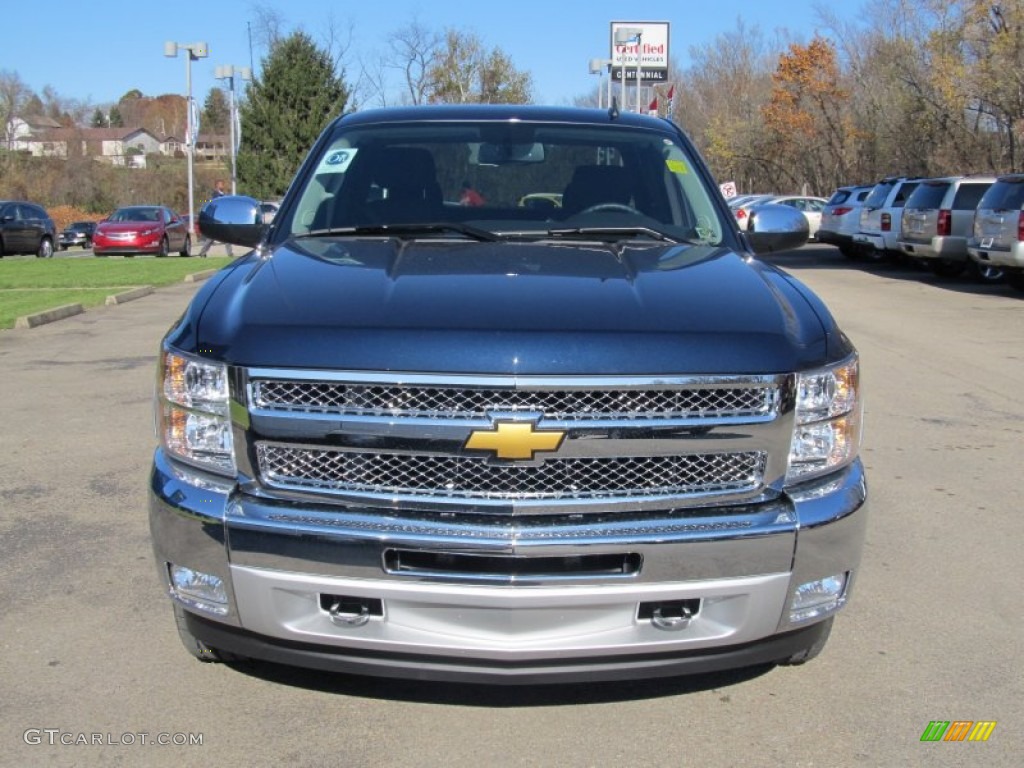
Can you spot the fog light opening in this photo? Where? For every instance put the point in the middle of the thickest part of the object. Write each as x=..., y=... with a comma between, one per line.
x=819, y=598
x=198, y=590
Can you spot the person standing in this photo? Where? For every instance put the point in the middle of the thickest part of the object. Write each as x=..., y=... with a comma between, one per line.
x=218, y=191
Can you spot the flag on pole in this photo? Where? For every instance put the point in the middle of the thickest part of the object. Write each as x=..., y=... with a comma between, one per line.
x=652, y=108
x=671, y=97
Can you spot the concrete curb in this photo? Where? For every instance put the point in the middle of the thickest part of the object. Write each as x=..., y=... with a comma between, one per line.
x=135, y=293
x=196, y=277
x=40, y=318
x=59, y=313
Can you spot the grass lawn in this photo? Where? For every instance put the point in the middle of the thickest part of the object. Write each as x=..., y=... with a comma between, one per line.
x=33, y=285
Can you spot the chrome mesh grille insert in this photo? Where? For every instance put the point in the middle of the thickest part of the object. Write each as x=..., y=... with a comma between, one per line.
x=403, y=401
x=460, y=477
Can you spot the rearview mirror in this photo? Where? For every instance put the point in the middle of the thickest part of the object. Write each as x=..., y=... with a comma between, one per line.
x=506, y=154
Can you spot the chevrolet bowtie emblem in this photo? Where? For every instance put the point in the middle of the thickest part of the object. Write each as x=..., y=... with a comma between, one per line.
x=515, y=440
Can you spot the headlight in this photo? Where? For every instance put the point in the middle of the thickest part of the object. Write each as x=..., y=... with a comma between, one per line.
x=193, y=412
x=826, y=433
x=147, y=232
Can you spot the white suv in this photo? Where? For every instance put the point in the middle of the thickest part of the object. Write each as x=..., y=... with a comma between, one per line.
x=840, y=219
x=881, y=216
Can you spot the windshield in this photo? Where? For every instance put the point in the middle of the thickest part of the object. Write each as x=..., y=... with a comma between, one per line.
x=136, y=214
x=513, y=179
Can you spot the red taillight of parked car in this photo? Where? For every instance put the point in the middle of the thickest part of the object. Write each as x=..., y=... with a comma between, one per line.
x=741, y=214
x=842, y=210
x=1020, y=226
x=886, y=222
x=945, y=224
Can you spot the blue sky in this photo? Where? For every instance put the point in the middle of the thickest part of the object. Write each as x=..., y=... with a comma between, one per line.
x=100, y=49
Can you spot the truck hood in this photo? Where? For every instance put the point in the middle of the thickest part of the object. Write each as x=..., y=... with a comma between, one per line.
x=458, y=306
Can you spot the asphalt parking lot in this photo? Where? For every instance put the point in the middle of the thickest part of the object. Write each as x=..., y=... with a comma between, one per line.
x=933, y=632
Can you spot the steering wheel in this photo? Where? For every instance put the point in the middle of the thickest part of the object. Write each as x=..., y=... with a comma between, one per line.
x=620, y=207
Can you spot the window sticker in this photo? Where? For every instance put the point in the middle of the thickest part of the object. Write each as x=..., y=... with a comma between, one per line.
x=336, y=160
x=677, y=166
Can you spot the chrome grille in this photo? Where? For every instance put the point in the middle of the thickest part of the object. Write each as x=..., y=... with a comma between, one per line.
x=460, y=477
x=401, y=401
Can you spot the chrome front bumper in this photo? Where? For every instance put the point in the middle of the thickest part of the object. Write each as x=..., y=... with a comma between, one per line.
x=279, y=561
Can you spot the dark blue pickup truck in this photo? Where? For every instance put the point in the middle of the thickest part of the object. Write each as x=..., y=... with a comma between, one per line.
x=566, y=427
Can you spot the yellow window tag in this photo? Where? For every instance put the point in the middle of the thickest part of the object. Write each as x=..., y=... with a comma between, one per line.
x=677, y=166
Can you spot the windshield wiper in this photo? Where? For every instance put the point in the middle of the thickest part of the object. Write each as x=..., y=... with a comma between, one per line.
x=614, y=232
x=406, y=230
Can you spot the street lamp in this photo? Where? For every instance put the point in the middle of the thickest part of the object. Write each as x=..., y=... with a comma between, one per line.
x=597, y=67
x=228, y=72
x=639, y=63
x=194, y=52
x=625, y=35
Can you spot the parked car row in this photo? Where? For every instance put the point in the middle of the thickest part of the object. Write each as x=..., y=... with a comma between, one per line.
x=950, y=224
x=26, y=228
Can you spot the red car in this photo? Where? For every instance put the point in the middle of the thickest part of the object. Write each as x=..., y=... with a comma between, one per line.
x=135, y=229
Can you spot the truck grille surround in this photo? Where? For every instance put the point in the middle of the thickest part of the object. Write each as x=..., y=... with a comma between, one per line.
x=662, y=442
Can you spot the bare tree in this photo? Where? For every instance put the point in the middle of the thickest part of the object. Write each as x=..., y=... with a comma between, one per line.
x=719, y=99
x=13, y=93
x=415, y=49
x=465, y=72
x=269, y=26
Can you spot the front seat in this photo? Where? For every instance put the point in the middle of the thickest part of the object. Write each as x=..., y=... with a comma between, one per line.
x=595, y=184
x=407, y=179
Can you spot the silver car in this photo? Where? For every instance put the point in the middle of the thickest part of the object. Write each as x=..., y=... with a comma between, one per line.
x=997, y=240
x=938, y=218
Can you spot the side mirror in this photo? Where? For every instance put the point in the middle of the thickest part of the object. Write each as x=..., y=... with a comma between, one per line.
x=773, y=227
x=234, y=219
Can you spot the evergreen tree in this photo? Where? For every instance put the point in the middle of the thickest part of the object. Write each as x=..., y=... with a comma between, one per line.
x=99, y=120
x=34, y=107
x=285, y=111
x=115, y=119
x=216, y=113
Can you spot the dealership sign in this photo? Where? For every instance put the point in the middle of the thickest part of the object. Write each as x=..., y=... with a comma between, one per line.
x=651, y=48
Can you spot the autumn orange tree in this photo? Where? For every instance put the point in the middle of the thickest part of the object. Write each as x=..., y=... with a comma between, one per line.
x=808, y=139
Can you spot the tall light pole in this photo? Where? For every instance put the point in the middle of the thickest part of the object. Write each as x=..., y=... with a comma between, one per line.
x=639, y=63
x=597, y=67
x=193, y=52
x=624, y=35
x=228, y=73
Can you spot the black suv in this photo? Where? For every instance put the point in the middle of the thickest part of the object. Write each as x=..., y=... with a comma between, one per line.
x=26, y=228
